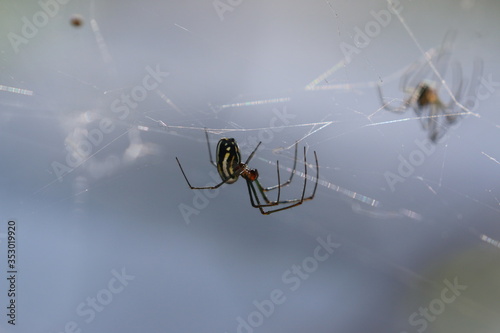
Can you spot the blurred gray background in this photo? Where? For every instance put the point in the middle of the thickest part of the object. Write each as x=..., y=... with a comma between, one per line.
x=88, y=168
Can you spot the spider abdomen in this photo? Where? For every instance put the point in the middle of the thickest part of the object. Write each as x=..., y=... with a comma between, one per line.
x=228, y=159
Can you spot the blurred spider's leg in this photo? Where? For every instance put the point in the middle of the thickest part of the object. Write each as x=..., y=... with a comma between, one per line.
x=407, y=75
x=451, y=116
x=450, y=109
x=416, y=73
x=458, y=80
x=475, y=81
x=387, y=106
x=442, y=59
x=435, y=130
x=477, y=74
x=433, y=137
x=425, y=114
x=448, y=40
x=381, y=96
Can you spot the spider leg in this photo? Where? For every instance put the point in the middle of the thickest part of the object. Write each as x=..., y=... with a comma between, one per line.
x=387, y=107
x=305, y=177
x=263, y=194
x=270, y=188
x=253, y=153
x=458, y=78
x=433, y=123
x=293, y=202
x=199, y=188
x=441, y=116
x=452, y=111
x=438, y=122
x=209, y=150
x=476, y=77
x=251, y=193
x=302, y=199
x=262, y=189
x=317, y=177
x=425, y=114
x=470, y=87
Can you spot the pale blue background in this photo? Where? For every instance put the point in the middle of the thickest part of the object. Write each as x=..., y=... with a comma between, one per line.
x=120, y=209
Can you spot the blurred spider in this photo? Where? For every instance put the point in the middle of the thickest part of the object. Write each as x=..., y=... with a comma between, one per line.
x=423, y=94
x=229, y=167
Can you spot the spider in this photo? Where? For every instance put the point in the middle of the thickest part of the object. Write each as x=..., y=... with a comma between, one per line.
x=423, y=95
x=229, y=167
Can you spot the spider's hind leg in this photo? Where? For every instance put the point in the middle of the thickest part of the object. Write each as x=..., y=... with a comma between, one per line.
x=270, y=188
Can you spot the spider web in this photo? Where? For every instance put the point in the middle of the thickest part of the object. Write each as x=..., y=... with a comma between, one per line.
x=382, y=186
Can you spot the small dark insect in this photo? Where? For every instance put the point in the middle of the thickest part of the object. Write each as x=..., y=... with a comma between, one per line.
x=76, y=21
x=423, y=93
x=229, y=167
